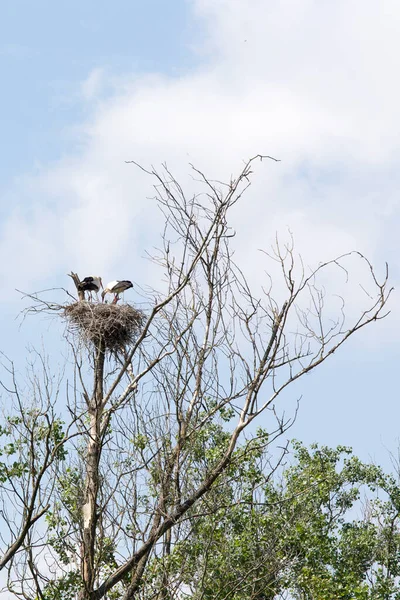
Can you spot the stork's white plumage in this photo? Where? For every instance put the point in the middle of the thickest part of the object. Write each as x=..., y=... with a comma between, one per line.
x=90, y=284
x=116, y=287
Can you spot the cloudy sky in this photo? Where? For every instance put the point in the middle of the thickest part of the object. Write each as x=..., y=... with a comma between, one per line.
x=89, y=85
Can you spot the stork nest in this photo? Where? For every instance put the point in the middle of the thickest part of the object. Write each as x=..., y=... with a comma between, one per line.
x=112, y=325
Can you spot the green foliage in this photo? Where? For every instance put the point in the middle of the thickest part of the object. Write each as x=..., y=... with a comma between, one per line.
x=71, y=498
x=19, y=434
x=64, y=588
x=10, y=467
x=297, y=534
x=253, y=536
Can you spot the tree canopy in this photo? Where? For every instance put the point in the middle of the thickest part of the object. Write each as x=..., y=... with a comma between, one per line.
x=326, y=526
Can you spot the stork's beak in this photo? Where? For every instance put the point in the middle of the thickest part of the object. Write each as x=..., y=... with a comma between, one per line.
x=103, y=293
x=101, y=283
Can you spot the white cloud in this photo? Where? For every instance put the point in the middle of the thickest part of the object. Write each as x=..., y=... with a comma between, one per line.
x=312, y=83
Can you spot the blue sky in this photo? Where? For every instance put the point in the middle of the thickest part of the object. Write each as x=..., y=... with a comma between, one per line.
x=48, y=48
x=86, y=86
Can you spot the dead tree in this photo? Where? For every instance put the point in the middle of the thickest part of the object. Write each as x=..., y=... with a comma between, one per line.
x=76, y=280
x=207, y=346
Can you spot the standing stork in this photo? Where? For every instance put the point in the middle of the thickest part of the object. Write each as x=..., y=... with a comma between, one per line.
x=116, y=287
x=90, y=284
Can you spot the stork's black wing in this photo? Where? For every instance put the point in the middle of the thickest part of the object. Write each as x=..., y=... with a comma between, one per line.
x=87, y=285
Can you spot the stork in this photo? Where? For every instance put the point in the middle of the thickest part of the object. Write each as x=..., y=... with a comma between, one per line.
x=116, y=287
x=90, y=284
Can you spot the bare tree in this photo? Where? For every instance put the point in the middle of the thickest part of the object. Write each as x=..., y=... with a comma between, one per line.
x=210, y=348
x=33, y=448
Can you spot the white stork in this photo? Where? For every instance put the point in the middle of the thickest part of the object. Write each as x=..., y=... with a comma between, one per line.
x=90, y=284
x=116, y=287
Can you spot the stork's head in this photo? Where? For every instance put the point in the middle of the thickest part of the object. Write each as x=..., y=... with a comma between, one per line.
x=104, y=292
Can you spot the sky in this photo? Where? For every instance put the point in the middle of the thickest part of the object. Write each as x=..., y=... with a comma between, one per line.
x=88, y=86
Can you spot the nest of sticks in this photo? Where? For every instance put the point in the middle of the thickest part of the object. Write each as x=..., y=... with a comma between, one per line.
x=109, y=325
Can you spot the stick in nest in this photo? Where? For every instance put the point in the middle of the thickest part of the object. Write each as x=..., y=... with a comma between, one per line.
x=110, y=325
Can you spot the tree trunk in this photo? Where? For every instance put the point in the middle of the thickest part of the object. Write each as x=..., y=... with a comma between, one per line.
x=76, y=280
x=89, y=509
